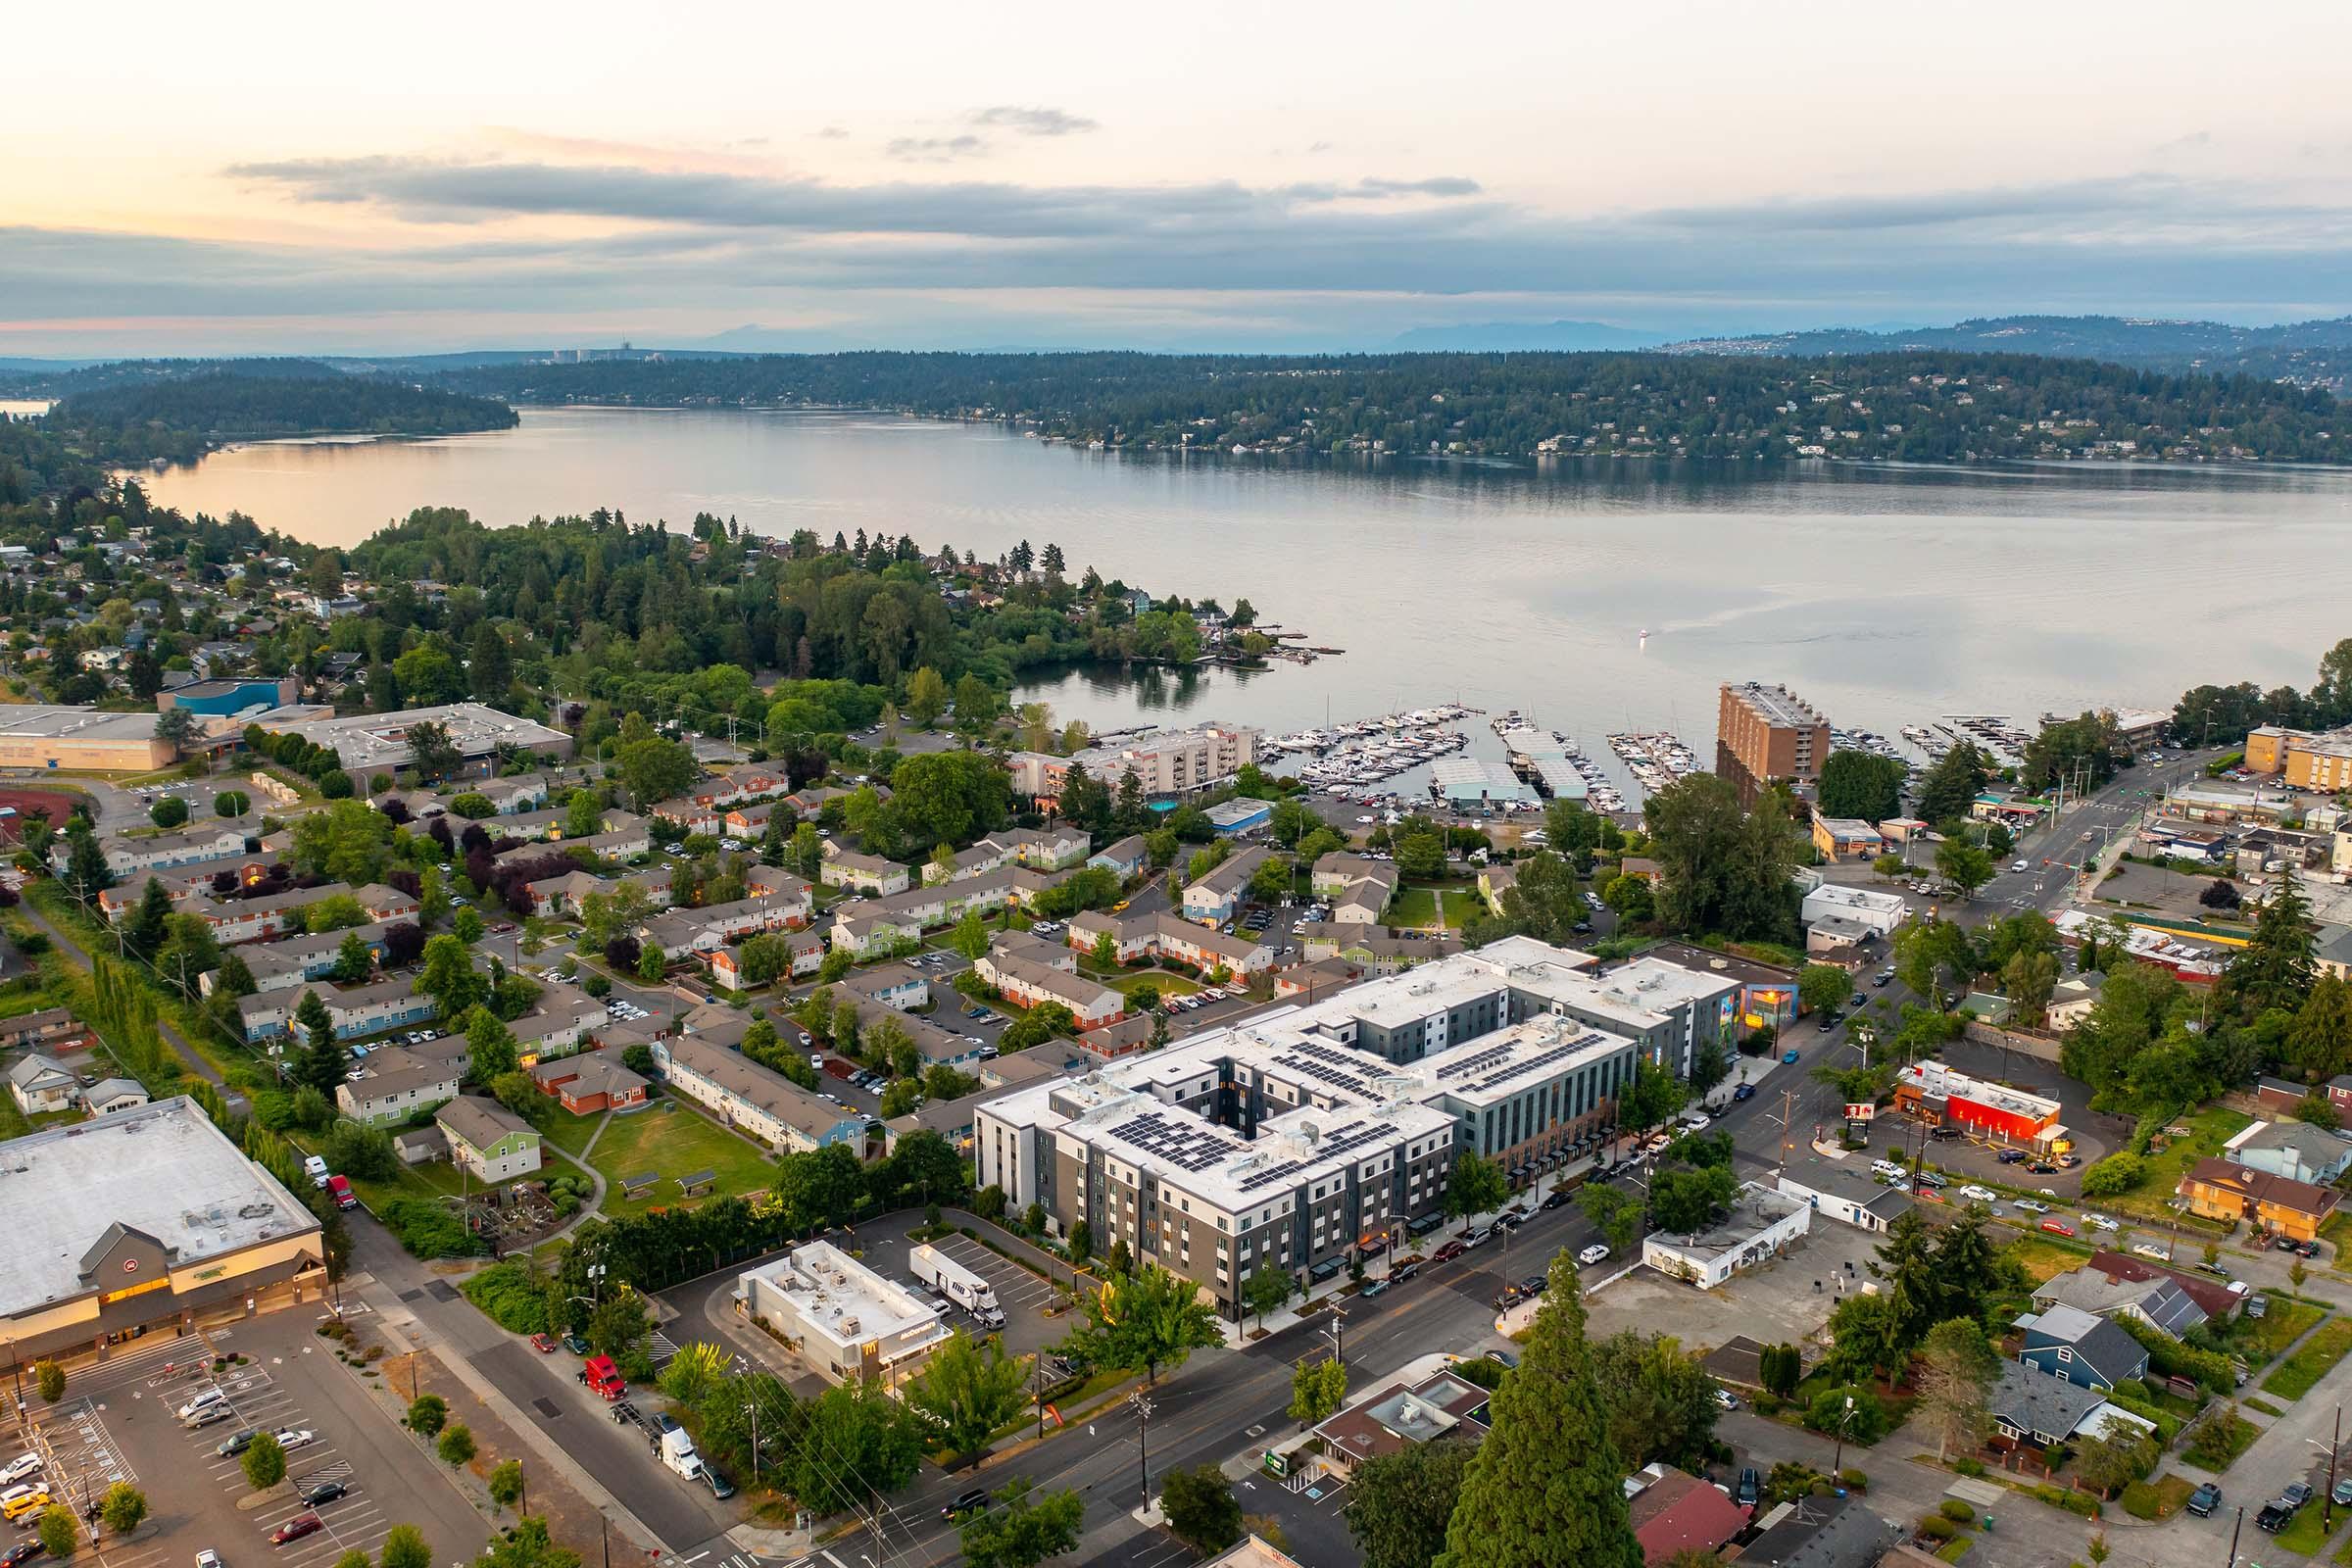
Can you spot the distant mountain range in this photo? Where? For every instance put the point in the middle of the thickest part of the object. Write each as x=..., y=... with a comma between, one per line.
x=2307, y=353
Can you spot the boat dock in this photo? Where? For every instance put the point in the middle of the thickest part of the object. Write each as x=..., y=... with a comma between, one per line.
x=1657, y=758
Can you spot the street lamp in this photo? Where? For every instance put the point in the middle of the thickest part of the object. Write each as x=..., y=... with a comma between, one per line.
x=1837, y=1460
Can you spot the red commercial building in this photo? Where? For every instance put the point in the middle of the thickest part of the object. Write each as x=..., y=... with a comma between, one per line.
x=1939, y=1094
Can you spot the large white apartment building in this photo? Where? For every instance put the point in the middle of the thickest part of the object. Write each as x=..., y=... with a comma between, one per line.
x=1165, y=764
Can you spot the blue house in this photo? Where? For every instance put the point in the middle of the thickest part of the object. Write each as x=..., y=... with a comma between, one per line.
x=2087, y=1352
x=1127, y=858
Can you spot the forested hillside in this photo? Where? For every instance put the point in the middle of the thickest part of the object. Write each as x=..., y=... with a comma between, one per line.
x=1913, y=406
x=178, y=416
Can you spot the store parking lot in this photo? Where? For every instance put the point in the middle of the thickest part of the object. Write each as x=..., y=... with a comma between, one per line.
x=122, y=1422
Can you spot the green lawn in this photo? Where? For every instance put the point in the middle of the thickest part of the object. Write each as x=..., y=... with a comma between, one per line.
x=2297, y=1374
x=669, y=1138
x=2261, y=1340
x=2042, y=1259
x=2209, y=1130
x=1446, y=904
x=567, y=1131
x=2306, y=1535
x=1166, y=982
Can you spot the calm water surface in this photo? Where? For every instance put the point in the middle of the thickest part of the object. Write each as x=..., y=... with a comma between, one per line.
x=1885, y=596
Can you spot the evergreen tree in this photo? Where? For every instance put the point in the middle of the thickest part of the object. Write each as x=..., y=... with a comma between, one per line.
x=1908, y=1262
x=145, y=932
x=1547, y=1486
x=2275, y=968
x=1946, y=789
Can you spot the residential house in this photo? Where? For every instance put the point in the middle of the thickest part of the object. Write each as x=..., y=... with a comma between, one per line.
x=42, y=1084
x=1358, y=887
x=870, y=927
x=1376, y=949
x=2290, y=1149
x=808, y=949
x=110, y=1095
x=1128, y=858
x=781, y=887
x=557, y=1024
x=693, y=815
x=705, y=928
x=399, y=1085
x=273, y=915
x=2160, y=1302
x=1032, y=972
x=1213, y=900
x=566, y=893
x=892, y=985
x=745, y=1095
x=2221, y=1189
x=162, y=852
x=590, y=1082
x=2036, y=1411
x=488, y=1139
x=748, y=781
x=370, y=1009
x=2072, y=1000
x=868, y=873
x=1165, y=936
x=38, y=1028
x=1674, y=1513
x=2217, y=1297
x=2068, y=1343
x=1495, y=879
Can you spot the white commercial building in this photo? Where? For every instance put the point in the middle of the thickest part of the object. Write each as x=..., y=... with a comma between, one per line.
x=1879, y=913
x=1165, y=764
x=846, y=1320
x=1760, y=1224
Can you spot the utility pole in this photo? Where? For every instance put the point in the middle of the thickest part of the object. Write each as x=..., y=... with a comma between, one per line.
x=2234, y=1529
x=1036, y=1384
x=2334, y=1442
x=1788, y=1126
x=1338, y=1336
x=1143, y=1451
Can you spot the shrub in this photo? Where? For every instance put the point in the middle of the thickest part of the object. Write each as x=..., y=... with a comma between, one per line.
x=2119, y=1172
x=2140, y=1500
x=1866, y=1423
x=507, y=1295
x=1970, y=1467
x=1958, y=1511
x=427, y=1230
x=428, y=1415
x=1936, y=1526
x=456, y=1446
x=1852, y=1480
x=58, y=1533
x=52, y=1381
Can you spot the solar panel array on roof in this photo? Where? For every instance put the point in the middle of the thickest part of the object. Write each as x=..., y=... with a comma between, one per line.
x=1520, y=1070
x=1470, y=1066
x=1182, y=1143
x=1334, y=1069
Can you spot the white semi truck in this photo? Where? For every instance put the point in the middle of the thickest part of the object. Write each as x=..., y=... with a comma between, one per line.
x=967, y=1290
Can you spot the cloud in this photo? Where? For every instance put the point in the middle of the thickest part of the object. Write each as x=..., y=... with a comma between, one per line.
x=1269, y=263
x=936, y=149
x=1033, y=121
x=832, y=132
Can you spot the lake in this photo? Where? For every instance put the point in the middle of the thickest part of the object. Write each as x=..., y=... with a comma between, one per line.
x=1885, y=595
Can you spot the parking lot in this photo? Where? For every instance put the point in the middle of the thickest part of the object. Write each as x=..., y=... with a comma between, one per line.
x=121, y=1422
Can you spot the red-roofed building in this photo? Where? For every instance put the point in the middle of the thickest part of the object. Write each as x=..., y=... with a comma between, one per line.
x=1675, y=1512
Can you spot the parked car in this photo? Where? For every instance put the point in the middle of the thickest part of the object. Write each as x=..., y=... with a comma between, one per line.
x=2057, y=1226
x=2273, y=1517
x=2295, y=1495
x=1744, y=1092
x=294, y=1529
x=1503, y=1359
x=1479, y=1237
x=24, y=1551
x=2104, y=1222
x=1789, y=1057
x=1449, y=1253
x=2033, y=1206
x=1593, y=1255
x=17, y=1469
x=2011, y=1157
x=1558, y=1198
x=1372, y=1288
x=324, y=1491
x=2151, y=1250
x=575, y=1344
x=1725, y=1400
x=2204, y=1501
x=544, y=1344
x=1981, y=1194
x=1404, y=1271
x=230, y=1447
x=292, y=1438
x=1750, y=1489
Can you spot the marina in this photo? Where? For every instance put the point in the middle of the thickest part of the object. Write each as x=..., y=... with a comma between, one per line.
x=1655, y=759
x=1551, y=762
x=1349, y=757
x=1992, y=733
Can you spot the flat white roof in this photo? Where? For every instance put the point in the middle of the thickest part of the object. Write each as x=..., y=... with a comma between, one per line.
x=380, y=740
x=841, y=1299
x=34, y=721
x=163, y=1169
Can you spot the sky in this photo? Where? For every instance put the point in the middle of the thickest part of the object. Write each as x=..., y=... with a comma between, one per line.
x=257, y=177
